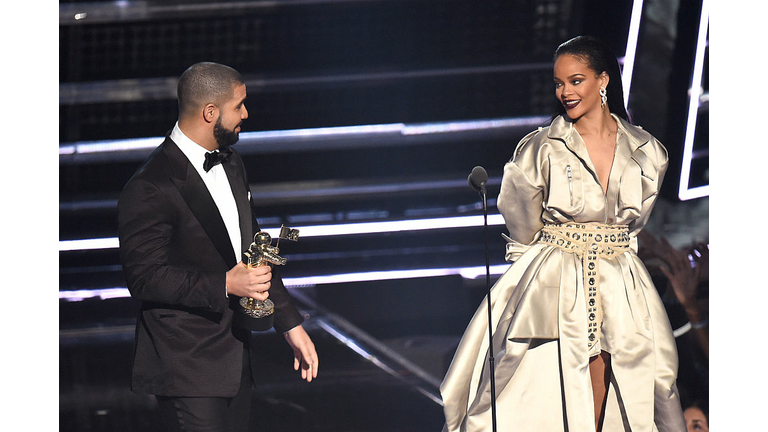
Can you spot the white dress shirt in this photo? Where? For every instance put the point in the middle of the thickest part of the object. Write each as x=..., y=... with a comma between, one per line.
x=218, y=185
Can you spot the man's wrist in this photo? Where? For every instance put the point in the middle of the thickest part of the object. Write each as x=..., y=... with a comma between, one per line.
x=285, y=333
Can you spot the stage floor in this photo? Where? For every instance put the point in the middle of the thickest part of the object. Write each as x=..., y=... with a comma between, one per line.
x=364, y=385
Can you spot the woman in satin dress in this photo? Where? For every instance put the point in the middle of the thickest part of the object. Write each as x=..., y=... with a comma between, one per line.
x=581, y=340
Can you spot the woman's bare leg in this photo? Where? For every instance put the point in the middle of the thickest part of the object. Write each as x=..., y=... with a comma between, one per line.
x=600, y=370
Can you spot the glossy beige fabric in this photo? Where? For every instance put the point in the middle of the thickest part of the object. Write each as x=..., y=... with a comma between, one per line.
x=538, y=307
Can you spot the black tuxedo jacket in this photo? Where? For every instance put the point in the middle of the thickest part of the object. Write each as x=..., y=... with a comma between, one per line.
x=175, y=252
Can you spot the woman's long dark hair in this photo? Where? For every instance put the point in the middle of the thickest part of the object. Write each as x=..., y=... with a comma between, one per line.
x=600, y=59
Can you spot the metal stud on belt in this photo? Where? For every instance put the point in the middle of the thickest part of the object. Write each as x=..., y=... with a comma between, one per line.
x=590, y=242
x=590, y=262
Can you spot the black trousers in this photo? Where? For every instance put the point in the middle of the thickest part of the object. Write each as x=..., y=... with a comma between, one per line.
x=210, y=414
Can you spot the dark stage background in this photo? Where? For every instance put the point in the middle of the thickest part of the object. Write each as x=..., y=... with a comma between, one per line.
x=360, y=111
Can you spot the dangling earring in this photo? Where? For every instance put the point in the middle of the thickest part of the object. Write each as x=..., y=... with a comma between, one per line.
x=603, y=97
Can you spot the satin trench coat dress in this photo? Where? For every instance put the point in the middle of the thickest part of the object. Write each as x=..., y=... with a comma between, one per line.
x=539, y=305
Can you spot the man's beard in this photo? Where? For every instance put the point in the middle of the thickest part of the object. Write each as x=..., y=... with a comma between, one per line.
x=223, y=136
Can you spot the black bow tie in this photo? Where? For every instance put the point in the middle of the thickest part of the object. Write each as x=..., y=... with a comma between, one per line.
x=216, y=157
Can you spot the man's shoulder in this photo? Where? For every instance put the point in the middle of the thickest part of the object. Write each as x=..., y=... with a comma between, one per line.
x=159, y=164
x=150, y=182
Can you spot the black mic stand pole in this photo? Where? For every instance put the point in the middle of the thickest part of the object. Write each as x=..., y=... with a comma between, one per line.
x=491, y=362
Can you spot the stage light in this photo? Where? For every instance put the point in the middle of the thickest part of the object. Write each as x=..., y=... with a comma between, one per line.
x=325, y=230
x=685, y=192
x=313, y=281
x=631, y=49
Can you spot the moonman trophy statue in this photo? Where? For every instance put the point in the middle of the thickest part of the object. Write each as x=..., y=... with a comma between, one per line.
x=261, y=253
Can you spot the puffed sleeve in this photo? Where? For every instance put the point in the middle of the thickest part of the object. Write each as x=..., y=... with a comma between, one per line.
x=652, y=161
x=522, y=192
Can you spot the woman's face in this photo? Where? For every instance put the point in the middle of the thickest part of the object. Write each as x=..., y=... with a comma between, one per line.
x=577, y=86
x=695, y=420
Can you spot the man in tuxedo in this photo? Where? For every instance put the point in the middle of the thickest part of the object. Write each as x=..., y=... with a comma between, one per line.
x=184, y=220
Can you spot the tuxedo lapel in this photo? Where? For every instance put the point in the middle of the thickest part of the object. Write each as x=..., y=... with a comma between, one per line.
x=238, y=183
x=200, y=202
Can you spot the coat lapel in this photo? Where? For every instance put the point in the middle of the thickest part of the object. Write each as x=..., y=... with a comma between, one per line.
x=200, y=201
x=629, y=140
x=563, y=130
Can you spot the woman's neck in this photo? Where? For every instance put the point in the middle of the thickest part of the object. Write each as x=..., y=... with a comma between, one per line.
x=600, y=124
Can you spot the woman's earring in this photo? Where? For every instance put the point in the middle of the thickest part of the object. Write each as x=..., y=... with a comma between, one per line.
x=603, y=96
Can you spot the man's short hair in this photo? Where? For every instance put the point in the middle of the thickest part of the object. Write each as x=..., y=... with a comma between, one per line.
x=204, y=83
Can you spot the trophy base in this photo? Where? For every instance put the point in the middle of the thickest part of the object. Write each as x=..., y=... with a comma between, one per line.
x=253, y=324
x=257, y=308
x=253, y=315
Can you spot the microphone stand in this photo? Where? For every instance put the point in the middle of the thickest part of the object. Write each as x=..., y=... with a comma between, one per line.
x=491, y=362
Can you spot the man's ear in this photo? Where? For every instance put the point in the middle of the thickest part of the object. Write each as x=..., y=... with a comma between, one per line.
x=210, y=113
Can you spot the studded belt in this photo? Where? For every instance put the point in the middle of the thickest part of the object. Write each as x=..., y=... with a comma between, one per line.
x=590, y=241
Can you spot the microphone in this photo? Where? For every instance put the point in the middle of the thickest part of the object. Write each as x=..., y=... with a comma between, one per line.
x=477, y=179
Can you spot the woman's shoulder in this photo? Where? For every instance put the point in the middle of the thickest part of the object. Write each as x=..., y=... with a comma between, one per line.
x=636, y=132
x=542, y=137
x=534, y=137
x=643, y=141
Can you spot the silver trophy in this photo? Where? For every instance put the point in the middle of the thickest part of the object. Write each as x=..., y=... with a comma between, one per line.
x=261, y=253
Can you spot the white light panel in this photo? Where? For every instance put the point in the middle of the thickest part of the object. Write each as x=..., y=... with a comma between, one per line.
x=685, y=192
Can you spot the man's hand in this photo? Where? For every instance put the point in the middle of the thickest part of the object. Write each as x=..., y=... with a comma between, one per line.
x=304, y=355
x=250, y=282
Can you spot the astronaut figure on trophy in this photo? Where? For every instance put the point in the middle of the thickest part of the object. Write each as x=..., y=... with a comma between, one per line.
x=260, y=253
